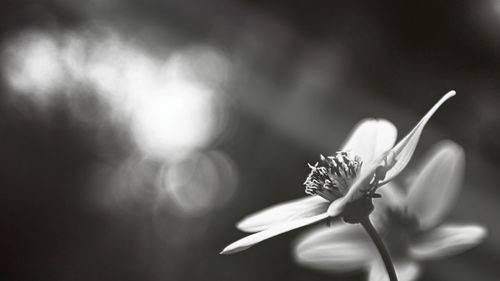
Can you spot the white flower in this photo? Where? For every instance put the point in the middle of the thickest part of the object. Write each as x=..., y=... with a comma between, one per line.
x=408, y=224
x=367, y=160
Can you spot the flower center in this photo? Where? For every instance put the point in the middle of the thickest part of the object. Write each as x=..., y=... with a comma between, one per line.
x=332, y=176
x=398, y=228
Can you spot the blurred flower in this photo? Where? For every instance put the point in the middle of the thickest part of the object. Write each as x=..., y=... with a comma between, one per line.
x=407, y=224
x=339, y=179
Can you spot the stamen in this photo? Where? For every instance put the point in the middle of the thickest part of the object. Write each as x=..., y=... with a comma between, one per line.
x=332, y=176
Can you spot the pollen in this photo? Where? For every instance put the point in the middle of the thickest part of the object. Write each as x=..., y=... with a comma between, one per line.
x=332, y=176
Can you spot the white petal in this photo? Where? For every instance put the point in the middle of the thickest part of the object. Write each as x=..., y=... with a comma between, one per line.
x=447, y=240
x=405, y=271
x=370, y=138
x=397, y=158
x=337, y=207
x=437, y=184
x=287, y=211
x=403, y=151
x=356, y=191
x=255, y=238
x=341, y=247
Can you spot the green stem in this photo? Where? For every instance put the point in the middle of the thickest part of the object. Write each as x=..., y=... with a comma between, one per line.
x=368, y=226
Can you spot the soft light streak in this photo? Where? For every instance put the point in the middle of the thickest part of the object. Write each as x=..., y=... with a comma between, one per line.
x=33, y=66
x=172, y=102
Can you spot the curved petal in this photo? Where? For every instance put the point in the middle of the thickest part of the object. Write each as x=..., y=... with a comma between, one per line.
x=401, y=154
x=370, y=138
x=358, y=188
x=405, y=270
x=437, y=184
x=283, y=212
x=255, y=238
x=447, y=240
x=394, y=161
x=337, y=248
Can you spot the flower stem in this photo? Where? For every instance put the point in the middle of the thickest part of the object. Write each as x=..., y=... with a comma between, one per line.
x=389, y=266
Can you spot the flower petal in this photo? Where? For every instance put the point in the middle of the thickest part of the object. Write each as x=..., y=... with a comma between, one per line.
x=405, y=270
x=255, y=238
x=403, y=151
x=287, y=211
x=356, y=191
x=341, y=247
x=370, y=138
x=395, y=161
x=447, y=240
x=437, y=184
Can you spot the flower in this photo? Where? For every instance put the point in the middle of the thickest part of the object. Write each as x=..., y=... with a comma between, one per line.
x=366, y=161
x=408, y=224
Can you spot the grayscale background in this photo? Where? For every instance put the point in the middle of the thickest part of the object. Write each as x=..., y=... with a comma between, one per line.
x=135, y=134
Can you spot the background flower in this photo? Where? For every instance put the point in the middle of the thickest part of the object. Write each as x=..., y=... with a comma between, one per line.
x=408, y=223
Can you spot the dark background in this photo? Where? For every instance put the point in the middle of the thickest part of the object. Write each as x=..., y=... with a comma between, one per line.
x=301, y=75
